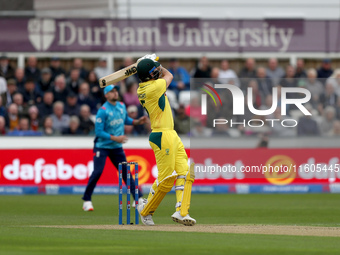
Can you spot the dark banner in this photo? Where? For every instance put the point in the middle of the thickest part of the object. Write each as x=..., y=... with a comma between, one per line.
x=168, y=35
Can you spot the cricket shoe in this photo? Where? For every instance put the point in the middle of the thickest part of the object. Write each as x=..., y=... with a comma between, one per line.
x=87, y=206
x=186, y=220
x=146, y=220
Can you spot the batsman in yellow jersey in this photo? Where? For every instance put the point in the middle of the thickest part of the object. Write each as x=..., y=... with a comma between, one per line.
x=171, y=158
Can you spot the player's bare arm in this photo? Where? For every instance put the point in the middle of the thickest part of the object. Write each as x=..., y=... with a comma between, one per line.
x=119, y=139
x=167, y=76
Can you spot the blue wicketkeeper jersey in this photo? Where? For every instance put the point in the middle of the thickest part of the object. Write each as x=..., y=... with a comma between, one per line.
x=110, y=120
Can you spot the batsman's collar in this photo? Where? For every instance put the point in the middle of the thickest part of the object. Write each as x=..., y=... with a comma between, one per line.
x=109, y=88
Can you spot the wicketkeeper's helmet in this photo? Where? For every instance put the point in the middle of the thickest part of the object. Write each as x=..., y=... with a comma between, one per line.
x=148, y=69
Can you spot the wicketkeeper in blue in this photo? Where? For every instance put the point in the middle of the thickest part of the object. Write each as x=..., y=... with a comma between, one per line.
x=109, y=129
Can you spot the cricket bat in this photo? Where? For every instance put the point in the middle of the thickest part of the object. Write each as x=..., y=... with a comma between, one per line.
x=119, y=75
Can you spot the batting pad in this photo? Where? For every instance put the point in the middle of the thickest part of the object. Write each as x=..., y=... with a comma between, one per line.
x=179, y=188
x=189, y=180
x=162, y=189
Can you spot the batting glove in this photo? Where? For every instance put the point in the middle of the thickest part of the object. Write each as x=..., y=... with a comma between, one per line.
x=149, y=56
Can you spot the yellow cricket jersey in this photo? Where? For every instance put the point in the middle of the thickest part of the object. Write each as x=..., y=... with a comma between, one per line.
x=151, y=95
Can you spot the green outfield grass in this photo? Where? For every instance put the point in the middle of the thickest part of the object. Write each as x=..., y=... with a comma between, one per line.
x=19, y=213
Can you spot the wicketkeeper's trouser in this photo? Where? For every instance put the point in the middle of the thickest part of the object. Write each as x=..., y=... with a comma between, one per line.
x=99, y=158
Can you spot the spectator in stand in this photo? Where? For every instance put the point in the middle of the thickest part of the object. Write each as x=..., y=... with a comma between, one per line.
x=60, y=91
x=278, y=129
x=247, y=72
x=12, y=120
x=221, y=130
x=265, y=86
x=3, y=86
x=325, y=71
x=78, y=64
x=45, y=82
x=96, y=92
x=7, y=98
x=18, y=99
x=267, y=104
x=31, y=94
x=314, y=86
x=93, y=81
x=131, y=97
x=73, y=128
x=307, y=126
x=181, y=80
x=86, y=124
x=337, y=108
x=334, y=79
x=84, y=97
x=34, y=120
x=257, y=96
x=300, y=84
x=328, y=98
x=60, y=120
x=6, y=70
x=215, y=72
x=3, y=110
x=23, y=124
x=47, y=128
x=32, y=71
x=328, y=119
x=288, y=80
x=216, y=111
x=46, y=106
x=3, y=129
x=300, y=71
x=336, y=129
x=194, y=110
x=102, y=69
x=72, y=107
x=24, y=129
x=199, y=130
x=182, y=121
x=264, y=141
x=132, y=112
x=227, y=75
x=20, y=78
x=274, y=71
x=55, y=67
x=73, y=81
x=127, y=61
x=203, y=69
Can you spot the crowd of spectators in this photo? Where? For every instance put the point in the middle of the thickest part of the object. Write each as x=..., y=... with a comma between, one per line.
x=48, y=101
x=54, y=101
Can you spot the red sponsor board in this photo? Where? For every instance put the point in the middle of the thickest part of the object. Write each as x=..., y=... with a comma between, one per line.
x=267, y=166
x=73, y=166
x=65, y=166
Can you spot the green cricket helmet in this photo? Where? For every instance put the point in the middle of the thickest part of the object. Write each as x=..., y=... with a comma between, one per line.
x=148, y=69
